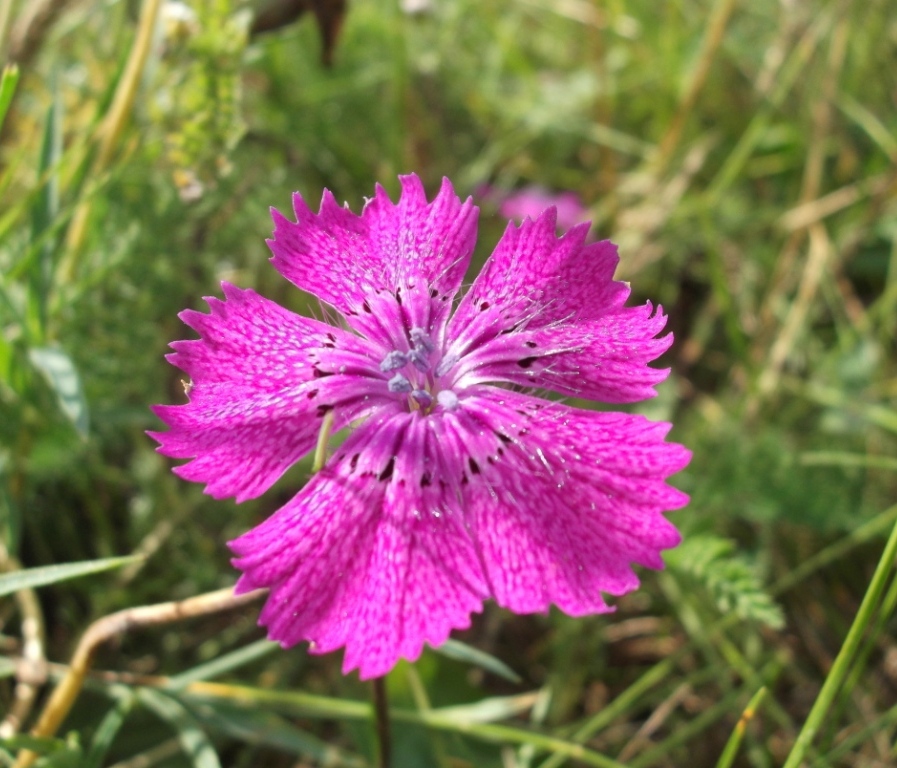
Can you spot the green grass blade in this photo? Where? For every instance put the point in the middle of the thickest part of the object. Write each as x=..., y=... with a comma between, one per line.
x=194, y=742
x=449, y=719
x=841, y=667
x=7, y=89
x=51, y=574
x=109, y=726
x=732, y=745
x=43, y=214
x=224, y=664
x=454, y=649
x=269, y=729
x=62, y=376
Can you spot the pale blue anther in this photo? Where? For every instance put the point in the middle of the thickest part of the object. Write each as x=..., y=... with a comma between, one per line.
x=420, y=360
x=399, y=383
x=423, y=398
x=446, y=364
x=393, y=361
x=421, y=340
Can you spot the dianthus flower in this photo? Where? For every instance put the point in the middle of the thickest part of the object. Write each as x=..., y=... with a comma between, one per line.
x=454, y=484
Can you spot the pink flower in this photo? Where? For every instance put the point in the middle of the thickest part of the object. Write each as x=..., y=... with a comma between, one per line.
x=533, y=201
x=454, y=484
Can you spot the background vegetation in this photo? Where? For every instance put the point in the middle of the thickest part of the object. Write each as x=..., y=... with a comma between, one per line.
x=742, y=155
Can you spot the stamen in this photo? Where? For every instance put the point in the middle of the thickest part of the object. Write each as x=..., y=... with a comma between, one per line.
x=399, y=383
x=446, y=364
x=393, y=361
x=419, y=360
x=421, y=339
x=423, y=398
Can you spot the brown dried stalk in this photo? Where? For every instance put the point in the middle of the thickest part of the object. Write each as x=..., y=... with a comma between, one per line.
x=66, y=693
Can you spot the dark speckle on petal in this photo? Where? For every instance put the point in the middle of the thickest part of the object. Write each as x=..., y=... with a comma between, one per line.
x=386, y=474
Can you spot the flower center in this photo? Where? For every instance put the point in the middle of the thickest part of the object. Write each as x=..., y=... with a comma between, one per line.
x=417, y=371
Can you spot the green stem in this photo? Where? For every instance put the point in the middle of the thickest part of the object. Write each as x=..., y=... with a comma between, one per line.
x=381, y=721
x=311, y=705
x=731, y=749
x=323, y=438
x=840, y=668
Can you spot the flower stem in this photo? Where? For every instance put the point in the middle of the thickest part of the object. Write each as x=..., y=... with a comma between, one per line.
x=381, y=721
x=842, y=663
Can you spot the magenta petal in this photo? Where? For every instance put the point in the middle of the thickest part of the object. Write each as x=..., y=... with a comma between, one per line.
x=367, y=557
x=546, y=312
x=343, y=259
x=256, y=401
x=568, y=500
x=242, y=441
x=531, y=268
x=252, y=339
x=604, y=359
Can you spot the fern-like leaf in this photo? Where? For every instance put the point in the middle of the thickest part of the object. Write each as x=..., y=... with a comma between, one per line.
x=731, y=579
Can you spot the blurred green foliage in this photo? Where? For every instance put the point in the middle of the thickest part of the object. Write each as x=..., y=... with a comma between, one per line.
x=742, y=155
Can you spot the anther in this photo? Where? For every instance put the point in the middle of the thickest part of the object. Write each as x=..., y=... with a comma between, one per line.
x=446, y=364
x=419, y=359
x=399, y=383
x=421, y=340
x=393, y=361
x=423, y=398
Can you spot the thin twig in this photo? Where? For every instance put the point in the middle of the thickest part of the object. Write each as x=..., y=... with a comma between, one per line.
x=31, y=671
x=104, y=629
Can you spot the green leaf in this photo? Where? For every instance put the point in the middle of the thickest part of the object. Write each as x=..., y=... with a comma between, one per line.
x=59, y=752
x=70, y=757
x=51, y=574
x=62, y=376
x=41, y=745
x=109, y=726
x=258, y=727
x=7, y=89
x=223, y=664
x=731, y=579
x=489, y=710
x=44, y=211
x=454, y=649
x=194, y=742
